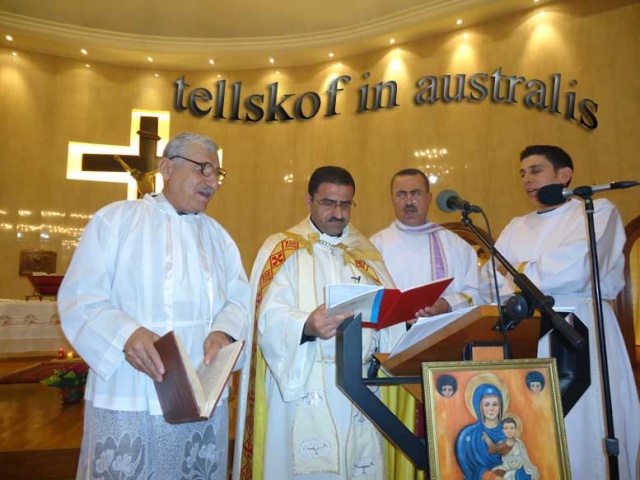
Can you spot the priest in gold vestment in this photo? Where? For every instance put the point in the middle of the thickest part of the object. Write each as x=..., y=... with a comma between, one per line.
x=301, y=425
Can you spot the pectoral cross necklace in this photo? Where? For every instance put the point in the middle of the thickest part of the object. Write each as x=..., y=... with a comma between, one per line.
x=332, y=247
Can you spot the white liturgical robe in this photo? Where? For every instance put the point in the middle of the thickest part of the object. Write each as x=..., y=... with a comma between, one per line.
x=418, y=255
x=552, y=249
x=140, y=263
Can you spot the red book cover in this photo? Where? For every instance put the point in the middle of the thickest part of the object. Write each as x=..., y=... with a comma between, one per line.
x=397, y=306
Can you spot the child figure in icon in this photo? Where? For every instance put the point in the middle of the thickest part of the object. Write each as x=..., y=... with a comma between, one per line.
x=447, y=385
x=516, y=464
x=535, y=381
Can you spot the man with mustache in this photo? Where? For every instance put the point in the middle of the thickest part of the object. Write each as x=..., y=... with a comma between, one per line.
x=312, y=430
x=417, y=251
x=141, y=269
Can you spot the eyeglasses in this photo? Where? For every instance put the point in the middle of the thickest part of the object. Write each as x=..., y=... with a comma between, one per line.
x=206, y=168
x=331, y=204
x=403, y=194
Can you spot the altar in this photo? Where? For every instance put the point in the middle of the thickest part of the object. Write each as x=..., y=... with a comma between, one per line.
x=30, y=326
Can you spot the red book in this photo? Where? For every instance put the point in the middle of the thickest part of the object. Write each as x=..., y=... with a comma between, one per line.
x=382, y=307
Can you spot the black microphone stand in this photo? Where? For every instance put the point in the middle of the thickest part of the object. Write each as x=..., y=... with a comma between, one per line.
x=539, y=300
x=611, y=442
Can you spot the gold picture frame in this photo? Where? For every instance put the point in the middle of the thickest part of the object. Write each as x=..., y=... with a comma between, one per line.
x=521, y=424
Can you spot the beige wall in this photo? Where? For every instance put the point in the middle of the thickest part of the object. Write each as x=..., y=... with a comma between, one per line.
x=48, y=101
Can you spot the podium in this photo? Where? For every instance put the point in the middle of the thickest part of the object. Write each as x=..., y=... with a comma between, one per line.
x=44, y=285
x=39, y=267
x=477, y=326
x=445, y=344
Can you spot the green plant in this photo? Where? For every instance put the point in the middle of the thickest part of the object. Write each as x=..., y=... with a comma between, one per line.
x=67, y=377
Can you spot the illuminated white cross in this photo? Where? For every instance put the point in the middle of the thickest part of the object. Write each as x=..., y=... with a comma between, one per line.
x=96, y=162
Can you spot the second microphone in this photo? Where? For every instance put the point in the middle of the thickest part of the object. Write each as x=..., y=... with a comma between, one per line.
x=449, y=201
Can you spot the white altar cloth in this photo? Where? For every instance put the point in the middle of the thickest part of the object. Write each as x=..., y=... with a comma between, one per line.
x=30, y=326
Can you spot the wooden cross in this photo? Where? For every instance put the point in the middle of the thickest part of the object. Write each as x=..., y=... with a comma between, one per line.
x=134, y=165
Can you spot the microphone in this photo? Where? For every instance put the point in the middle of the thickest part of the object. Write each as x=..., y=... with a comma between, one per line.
x=556, y=193
x=449, y=201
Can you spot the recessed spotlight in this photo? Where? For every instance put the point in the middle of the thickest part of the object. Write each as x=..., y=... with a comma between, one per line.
x=272, y=60
x=339, y=64
x=15, y=54
x=392, y=41
x=212, y=61
x=150, y=59
x=8, y=38
x=83, y=51
x=87, y=65
x=536, y=1
x=156, y=75
x=459, y=21
x=219, y=76
x=330, y=54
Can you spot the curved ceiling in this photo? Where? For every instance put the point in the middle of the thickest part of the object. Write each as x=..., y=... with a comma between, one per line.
x=239, y=34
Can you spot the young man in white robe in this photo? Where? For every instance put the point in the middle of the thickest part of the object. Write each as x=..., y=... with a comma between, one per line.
x=550, y=246
x=141, y=269
x=312, y=430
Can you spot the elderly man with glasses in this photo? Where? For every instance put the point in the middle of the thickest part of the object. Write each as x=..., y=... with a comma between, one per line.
x=312, y=430
x=143, y=268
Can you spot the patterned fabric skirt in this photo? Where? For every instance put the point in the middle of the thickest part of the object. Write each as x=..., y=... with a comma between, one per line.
x=138, y=446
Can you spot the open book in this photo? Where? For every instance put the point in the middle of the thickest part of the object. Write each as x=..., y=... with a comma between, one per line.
x=187, y=394
x=426, y=327
x=382, y=307
x=444, y=338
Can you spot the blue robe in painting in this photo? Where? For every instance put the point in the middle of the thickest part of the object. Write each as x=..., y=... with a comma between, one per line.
x=472, y=452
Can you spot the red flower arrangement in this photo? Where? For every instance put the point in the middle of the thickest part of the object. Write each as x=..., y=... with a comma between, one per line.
x=70, y=380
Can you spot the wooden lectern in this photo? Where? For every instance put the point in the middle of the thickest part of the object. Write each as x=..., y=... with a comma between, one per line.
x=478, y=326
x=39, y=267
x=445, y=344
x=44, y=285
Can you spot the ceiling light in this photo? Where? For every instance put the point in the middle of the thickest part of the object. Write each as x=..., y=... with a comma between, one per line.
x=150, y=59
x=83, y=51
x=272, y=60
x=15, y=54
x=392, y=41
x=541, y=14
x=330, y=54
x=459, y=21
x=156, y=75
x=219, y=76
x=212, y=61
x=87, y=65
x=277, y=72
x=9, y=38
x=536, y=1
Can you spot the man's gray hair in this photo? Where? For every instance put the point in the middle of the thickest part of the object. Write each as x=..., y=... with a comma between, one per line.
x=179, y=144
